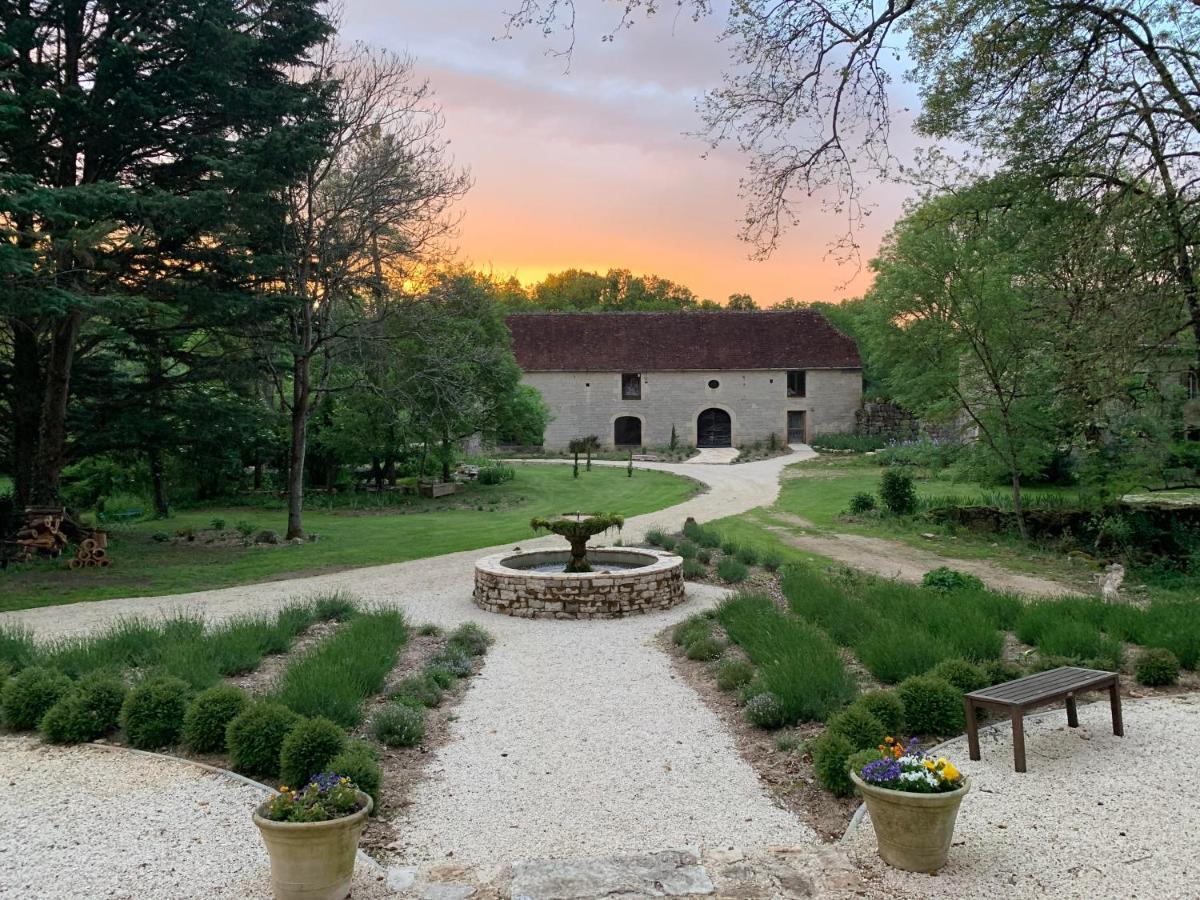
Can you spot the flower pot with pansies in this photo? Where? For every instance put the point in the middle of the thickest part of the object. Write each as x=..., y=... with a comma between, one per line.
x=312, y=837
x=913, y=800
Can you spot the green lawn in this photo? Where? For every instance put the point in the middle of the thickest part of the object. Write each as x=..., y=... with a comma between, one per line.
x=479, y=516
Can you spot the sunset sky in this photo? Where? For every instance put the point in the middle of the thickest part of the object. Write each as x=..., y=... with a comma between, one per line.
x=593, y=168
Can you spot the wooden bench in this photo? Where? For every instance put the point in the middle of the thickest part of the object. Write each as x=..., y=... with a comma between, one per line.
x=1015, y=697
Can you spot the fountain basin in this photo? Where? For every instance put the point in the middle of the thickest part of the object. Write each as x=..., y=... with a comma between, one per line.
x=640, y=581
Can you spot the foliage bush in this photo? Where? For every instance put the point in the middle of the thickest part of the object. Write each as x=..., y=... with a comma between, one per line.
x=360, y=763
x=731, y=570
x=91, y=709
x=831, y=763
x=895, y=652
x=747, y=555
x=152, y=715
x=308, y=749
x=858, y=726
x=1156, y=667
x=655, y=537
x=667, y=542
x=687, y=549
x=708, y=538
x=441, y=676
x=795, y=660
x=208, y=716
x=495, y=472
x=29, y=694
x=704, y=556
x=885, y=706
x=693, y=570
x=454, y=660
x=1080, y=641
x=17, y=647
x=470, y=639
x=859, y=443
x=898, y=493
x=730, y=548
x=862, y=503
x=399, y=725
x=334, y=677
x=999, y=671
x=733, y=673
x=1175, y=625
x=766, y=711
x=943, y=578
x=255, y=737
x=692, y=628
x=932, y=706
x=771, y=561
x=964, y=675
x=418, y=690
x=705, y=649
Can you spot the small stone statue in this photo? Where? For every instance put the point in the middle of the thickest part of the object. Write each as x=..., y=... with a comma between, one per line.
x=1110, y=583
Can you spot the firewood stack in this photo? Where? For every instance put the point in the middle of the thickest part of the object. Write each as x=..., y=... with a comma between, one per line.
x=48, y=530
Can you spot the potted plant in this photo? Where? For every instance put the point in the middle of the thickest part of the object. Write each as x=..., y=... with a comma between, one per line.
x=913, y=801
x=312, y=837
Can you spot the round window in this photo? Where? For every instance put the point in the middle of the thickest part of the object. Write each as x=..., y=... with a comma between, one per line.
x=713, y=383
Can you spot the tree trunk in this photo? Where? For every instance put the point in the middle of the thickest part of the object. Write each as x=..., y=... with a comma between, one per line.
x=389, y=469
x=27, y=389
x=258, y=474
x=301, y=372
x=51, y=455
x=445, y=458
x=1017, y=507
x=159, y=480
x=377, y=474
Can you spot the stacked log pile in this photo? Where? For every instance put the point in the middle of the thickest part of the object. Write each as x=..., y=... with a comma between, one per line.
x=47, y=532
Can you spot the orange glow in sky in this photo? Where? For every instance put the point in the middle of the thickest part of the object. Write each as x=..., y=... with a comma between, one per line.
x=594, y=169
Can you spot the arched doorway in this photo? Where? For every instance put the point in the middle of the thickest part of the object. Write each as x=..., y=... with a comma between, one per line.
x=627, y=431
x=714, y=428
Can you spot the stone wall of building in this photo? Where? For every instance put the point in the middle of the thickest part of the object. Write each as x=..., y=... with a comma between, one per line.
x=499, y=588
x=883, y=419
x=583, y=403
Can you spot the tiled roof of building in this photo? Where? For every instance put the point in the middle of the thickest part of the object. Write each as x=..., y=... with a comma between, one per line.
x=673, y=341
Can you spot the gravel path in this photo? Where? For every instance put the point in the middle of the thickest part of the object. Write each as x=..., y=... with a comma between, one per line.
x=86, y=822
x=1095, y=815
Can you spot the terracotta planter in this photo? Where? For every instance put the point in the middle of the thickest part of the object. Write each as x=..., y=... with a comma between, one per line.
x=313, y=860
x=914, y=831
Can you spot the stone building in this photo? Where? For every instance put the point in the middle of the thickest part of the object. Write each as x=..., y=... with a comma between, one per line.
x=719, y=378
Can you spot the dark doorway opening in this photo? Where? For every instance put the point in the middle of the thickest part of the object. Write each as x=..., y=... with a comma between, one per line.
x=627, y=431
x=796, y=433
x=714, y=428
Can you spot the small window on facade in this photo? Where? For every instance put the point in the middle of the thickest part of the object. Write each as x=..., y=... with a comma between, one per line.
x=1193, y=384
x=713, y=383
x=795, y=383
x=631, y=386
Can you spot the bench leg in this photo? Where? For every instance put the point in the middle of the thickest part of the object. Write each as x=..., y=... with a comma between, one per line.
x=1072, y=713
x=972, y=729
x=1018, y=729
x=1114, y=699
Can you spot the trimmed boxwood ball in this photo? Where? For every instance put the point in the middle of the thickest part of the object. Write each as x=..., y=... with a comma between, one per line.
x=964, y=675
x=765, y=710
x=884, y=706
x=208, y=717
x=1156, y=666
x=705, y=648
x=256, y=734
x=308, y=749
x=91, y=709
x=931, y=705
x=360, y=763
x=152, y=714
x=831, y=763
x=29, y=694
x=858, y=726
x=399, y=725
x=733, y=674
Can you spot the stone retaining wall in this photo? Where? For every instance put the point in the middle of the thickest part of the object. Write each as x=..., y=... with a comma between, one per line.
x=502, y=586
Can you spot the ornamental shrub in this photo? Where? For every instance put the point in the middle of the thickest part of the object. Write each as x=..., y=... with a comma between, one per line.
x=655, y=536
x=704, y=556
x=943, y=578
x=964, y=675
x=862, y=503
x=441, y=676
x=730, y=548
x=687, y=549
x=733, y=673
x=858, y=726
x=931, y=705
x=418, y=690
x=831, y=763
x=1156, y=666
x=707, y=538
x=693, y=570
x=308, y=749
x=153, y=712
x=1001, y=670
x=897, y=492
x=91, y=709
x=732, y=570
x=255, y=737
x=470, y=639
x=765, y=710
x=454, y=660
x=884, y=706
x=208, y=717
x=399, y=725
x=747, y=555
x=495, y=472
x=771, y=561
x=860, y=758
x=360, y=763
x=29, y=694
x=692, y=628
x=666, y=542
x=705, y=648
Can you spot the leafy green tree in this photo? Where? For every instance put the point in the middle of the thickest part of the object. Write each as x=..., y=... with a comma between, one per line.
x=131, y=135
x=741, y=302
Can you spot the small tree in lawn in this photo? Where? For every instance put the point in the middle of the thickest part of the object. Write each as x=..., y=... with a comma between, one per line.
x=673, y=443
x=590, y=443
x=577, y=446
